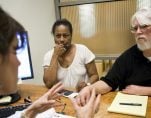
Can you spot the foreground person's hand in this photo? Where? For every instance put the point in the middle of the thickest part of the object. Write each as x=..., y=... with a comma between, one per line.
x=44, y=102
x=90, y=108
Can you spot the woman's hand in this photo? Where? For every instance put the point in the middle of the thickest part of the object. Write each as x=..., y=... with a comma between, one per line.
x=90, y=108
x=59, y=49
x=44, y=102
x=80, y=85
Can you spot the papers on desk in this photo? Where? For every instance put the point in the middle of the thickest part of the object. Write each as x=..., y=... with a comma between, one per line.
x=129, y=104
x=50, y=113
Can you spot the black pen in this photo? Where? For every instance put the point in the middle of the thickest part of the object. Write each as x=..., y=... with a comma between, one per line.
x=131, y=104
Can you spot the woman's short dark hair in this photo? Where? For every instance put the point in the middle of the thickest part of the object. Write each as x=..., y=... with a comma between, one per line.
x=64, y=22
x=9, y=27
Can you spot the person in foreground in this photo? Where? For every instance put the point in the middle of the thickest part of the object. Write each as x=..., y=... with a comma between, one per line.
x=72, y=64
x=10, y=29
x=131, y=73
x=11, y=40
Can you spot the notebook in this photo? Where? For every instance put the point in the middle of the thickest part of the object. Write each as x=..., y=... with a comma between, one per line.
x=129, y=104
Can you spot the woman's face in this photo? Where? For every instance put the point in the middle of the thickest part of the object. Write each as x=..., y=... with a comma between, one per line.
x=9, y=68
x=63, y=36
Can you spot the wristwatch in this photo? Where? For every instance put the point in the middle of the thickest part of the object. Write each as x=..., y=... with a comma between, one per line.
x=88, y=84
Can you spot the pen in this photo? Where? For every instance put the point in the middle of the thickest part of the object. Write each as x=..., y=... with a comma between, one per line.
x=131, y=104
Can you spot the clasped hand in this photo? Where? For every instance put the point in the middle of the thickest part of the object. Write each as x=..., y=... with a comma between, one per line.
x=59, y=49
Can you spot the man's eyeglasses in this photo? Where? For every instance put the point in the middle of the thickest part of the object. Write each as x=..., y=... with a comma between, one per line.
x=143, y=28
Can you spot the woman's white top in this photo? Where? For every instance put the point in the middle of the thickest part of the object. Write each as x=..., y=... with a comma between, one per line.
x=76, y=71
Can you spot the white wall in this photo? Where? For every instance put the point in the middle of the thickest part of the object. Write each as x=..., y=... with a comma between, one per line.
x=143, y=3
x=37, y=16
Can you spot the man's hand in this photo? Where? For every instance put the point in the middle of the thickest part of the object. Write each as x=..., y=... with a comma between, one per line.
x=135, y=89
x=84, y=96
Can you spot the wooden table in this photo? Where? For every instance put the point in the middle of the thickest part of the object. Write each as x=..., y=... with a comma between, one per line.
x=106, y=101
x=35, y=91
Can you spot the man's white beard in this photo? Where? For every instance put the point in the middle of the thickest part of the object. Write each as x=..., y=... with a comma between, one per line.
x=149, y=58
x=144, y=46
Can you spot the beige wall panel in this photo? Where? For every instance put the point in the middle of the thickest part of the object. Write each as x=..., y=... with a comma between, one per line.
x=103, y=27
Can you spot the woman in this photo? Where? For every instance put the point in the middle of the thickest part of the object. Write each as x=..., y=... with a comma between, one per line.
x=72, y=64
x=11, y=32
x=9, y=29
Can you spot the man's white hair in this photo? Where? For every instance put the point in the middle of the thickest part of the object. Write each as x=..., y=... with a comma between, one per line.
x=143, y=16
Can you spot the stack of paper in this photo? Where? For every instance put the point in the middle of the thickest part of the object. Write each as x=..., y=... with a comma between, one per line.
x=129, y=104
x=50, y=113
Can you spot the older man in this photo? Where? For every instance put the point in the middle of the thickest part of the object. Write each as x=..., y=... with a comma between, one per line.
x=131, y=72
